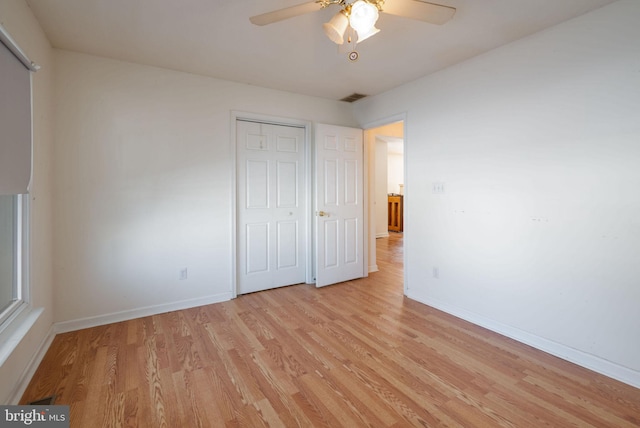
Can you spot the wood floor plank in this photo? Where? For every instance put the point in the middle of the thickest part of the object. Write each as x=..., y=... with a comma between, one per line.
x=353, y=354
x=131, y=409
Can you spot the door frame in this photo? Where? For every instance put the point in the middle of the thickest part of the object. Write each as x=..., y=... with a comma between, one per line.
x=370, y=237
x=308, y=200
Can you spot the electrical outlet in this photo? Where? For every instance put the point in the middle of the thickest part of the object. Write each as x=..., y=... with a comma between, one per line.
x=183, y=274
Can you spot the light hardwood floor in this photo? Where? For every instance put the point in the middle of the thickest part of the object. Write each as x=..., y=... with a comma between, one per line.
x=353, y=354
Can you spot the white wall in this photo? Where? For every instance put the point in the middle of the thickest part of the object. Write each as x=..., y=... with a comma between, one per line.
x=144, y=182
x=395, y=172
x=537, y=233
x=17, y=19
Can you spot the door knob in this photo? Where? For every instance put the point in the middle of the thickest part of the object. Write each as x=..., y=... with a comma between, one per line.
x=323, y=214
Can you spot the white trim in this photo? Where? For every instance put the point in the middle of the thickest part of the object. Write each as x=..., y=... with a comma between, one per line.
x=589, y=361
x=365, y=206
x=234, y=191
x=373, y=268
x=66, y=326
x=382, y=235
x=23, y=247
x=264, y=118
x=406, y=202
x=311, y=177
x=30, y=369
x=274, y=120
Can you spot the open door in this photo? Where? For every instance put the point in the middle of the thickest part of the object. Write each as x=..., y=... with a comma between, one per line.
x=339, y=204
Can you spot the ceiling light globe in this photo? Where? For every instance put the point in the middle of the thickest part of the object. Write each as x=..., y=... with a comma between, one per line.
x=363, y=16
x=335, y=28
x=364, y=36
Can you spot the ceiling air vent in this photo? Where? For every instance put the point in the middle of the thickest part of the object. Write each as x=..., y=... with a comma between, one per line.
x=353, y=97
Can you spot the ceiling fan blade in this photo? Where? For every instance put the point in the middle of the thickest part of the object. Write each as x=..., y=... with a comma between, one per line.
x=420, y=10
x=286, y=13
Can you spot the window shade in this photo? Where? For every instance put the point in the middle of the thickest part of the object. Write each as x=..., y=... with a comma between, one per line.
x=15, y=124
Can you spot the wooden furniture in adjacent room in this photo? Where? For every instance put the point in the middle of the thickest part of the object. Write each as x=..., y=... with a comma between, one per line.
x=395, y=213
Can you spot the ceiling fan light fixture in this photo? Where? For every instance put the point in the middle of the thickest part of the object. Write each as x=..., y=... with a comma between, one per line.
x=363, y=17
x=364, y=36
x=336, y=27
x=357, y=19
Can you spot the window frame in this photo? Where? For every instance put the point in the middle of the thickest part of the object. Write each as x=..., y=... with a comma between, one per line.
x=21, y=263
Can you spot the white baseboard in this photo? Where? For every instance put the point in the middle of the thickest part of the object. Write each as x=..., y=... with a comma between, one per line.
x=31, y=368
x=382, y=235
x=373, y=268
x=66, y=326
x=589, y=361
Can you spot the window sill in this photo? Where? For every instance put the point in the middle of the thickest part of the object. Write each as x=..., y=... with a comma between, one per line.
x=16, y=329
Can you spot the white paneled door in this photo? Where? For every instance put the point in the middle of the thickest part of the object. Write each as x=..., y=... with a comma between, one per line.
x=271, y=206
x=339, y=204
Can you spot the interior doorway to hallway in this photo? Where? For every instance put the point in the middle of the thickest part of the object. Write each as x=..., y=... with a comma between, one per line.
x=386, y=158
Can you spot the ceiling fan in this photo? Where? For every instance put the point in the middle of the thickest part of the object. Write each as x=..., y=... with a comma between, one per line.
x=356, y=20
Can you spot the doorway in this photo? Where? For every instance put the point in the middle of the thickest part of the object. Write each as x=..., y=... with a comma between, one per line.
x=386, y=157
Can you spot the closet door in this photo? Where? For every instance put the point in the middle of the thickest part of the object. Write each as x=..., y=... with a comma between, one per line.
x=271, y=206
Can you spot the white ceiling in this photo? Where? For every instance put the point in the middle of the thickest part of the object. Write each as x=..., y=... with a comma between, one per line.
x=215, y=38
